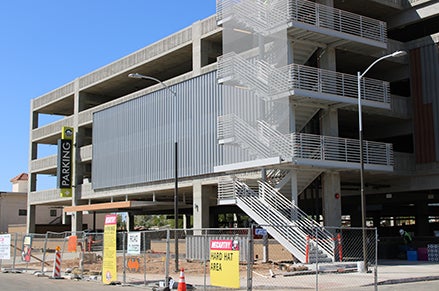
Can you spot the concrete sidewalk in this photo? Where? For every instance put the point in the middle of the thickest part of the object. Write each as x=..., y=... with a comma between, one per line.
x=401, y=271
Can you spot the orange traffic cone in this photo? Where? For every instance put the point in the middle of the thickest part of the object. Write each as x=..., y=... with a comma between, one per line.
x=181, y=282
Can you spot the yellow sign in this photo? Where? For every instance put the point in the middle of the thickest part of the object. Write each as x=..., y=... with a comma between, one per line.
x=224, y=263
x=109, y=263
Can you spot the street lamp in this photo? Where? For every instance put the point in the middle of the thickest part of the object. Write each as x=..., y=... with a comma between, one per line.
x=139, y=76
x=360, y=133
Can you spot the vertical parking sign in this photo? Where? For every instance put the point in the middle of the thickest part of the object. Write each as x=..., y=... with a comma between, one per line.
x=224, y=263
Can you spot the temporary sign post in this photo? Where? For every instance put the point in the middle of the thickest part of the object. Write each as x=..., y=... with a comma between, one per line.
x=27, y=248
x=224, y=263
x=133, y=243
x=5, y=246
x=109, y=264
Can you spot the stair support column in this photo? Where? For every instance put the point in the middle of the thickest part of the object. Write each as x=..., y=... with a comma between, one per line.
x=201, y=205
x=331, y=199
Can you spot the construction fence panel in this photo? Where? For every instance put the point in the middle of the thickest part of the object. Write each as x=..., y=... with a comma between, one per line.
x=164, y=254
x=142, y=257
x=275, y=267
x=155, y=258
x=37, y=252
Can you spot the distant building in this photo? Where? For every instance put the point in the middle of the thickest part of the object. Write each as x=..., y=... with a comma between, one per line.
x=13, y=210
x=13, y=205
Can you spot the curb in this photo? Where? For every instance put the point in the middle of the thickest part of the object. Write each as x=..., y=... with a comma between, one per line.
x=408, y=280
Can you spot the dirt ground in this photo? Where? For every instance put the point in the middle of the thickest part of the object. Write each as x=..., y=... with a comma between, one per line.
x=155, y=264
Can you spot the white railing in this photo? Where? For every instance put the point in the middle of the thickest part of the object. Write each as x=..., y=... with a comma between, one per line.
x=232, y=127
x=278, y=142
x=328, y=148
x=262, y=16
x=267, y=142
x=253, y=75
x=335, y=19
x=267, y=80
x=284, y=221
x=293, y=213
x=335, y=83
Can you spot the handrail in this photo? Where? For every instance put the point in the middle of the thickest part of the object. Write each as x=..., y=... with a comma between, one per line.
x=231, y=126
x=267, y=142
x=268, y=80
x=290, y=223
x=317, y=147
x=267, y=17
x=299, y=218
x=335, y=83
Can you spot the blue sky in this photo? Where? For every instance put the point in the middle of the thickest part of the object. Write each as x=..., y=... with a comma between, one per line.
x=47, y=43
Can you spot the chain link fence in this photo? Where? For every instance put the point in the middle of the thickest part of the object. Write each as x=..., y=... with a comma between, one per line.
x=154, y=258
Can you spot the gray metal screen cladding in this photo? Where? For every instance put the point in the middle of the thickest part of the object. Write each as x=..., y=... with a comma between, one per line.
x=133, y=142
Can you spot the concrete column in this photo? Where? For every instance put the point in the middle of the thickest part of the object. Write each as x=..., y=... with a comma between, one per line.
x=329, y=127
x=331, y=204
x=31, y=218
x=196, y=48
x=331, y=180
x=77, y=221
x=201, y=205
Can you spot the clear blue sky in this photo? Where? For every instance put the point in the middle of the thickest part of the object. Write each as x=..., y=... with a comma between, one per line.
x=47, y=43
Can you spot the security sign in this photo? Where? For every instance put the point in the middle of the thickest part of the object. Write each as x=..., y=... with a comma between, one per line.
x=224, y=263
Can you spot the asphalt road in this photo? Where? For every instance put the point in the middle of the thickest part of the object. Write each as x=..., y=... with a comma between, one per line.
x=25, y=282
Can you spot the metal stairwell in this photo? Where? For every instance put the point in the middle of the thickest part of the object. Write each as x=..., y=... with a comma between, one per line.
x=302, y=148
x=285, y=222
x=252, y=73
x=232, y=129
x=280, y=179
x=263, y=17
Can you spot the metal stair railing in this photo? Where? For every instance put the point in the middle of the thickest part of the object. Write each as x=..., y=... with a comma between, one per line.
x=231, y=126
x=267, y=17
x=259, y=15
x=279, y=143
x=267, y=80
x=275, y=176
x=334, y=83
x=329, y=148
x=266, y=142
x=299, y=218
x=253, y=75
x=290, y=227
x=323, y=16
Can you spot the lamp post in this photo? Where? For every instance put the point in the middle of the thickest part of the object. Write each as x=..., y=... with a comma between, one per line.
x=139, y=76
x=360, y=134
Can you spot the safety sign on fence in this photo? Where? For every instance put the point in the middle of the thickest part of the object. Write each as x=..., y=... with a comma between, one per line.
x=133, y=243
x=224, y=263
x=5, y=246
x=109, y=264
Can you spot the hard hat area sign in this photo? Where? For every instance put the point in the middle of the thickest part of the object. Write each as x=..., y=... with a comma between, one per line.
x=224, y=263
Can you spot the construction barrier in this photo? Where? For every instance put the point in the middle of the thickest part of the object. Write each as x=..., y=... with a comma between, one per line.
x=56, y=274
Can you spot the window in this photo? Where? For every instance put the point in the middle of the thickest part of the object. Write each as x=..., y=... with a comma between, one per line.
x=22, y=212
x=52, y=212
